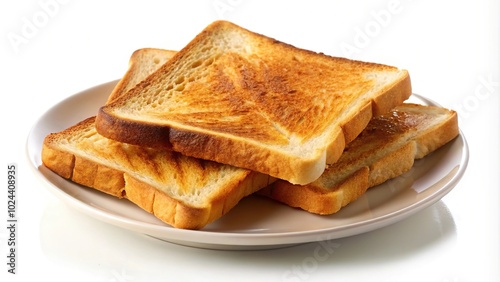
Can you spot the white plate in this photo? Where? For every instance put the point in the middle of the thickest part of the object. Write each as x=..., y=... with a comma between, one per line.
x=255, y=223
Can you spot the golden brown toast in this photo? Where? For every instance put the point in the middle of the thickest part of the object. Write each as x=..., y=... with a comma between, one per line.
x=244, y=99
x=87, y=160
x=386, y=149
x=142, y=63
x=181, y=191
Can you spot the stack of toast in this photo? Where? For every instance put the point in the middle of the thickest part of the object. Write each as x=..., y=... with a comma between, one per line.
x=186, y=135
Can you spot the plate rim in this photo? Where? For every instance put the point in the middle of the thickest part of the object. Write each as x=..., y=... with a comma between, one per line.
x=239, y=240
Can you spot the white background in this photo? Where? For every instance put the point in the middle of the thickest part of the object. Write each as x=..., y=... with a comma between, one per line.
x=451, y=48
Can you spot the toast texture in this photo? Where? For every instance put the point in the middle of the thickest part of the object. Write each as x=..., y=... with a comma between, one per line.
x=240, y=98
x=142, y=63
x=386, y=149
x=181, y=191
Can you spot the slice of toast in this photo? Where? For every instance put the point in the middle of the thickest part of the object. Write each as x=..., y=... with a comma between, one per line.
x=142, y=63
x=386, y=149
x=325, y=196
x=241, y=98
x=182, y=191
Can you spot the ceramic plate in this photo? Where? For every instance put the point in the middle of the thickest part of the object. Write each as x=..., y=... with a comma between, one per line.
x=271, y=225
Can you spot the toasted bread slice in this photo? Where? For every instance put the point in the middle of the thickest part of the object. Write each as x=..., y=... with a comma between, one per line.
x=386, y=149
x=241, y=98
x=318, y=197
x=142, y=63
x=181, y=191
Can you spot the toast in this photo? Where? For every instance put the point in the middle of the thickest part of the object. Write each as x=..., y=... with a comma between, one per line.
x=240, y=98
x=181, y=191
x=386, y=149
x=325, y=196
x=142, y=63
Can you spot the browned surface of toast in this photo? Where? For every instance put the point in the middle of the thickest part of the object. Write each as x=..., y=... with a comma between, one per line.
x=386, y=149
x=142, y=63
x=120, y=170
x=240, y=98
x=181, y=191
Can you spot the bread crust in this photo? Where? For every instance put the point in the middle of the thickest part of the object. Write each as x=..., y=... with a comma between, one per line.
x=141, y=134
x=433, y=139
x=317, y=200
